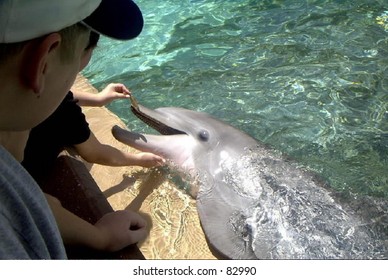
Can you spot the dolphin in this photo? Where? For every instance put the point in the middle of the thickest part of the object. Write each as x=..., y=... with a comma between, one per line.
x=253, y=201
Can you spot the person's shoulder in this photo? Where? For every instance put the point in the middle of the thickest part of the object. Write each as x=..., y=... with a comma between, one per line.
x=66, y=110
x=15, y=181
x=8, y=164
x=69, y=99
x=27, y=226
x=69, y=96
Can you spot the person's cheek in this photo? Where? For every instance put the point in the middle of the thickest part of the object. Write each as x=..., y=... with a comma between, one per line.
x=85, y=59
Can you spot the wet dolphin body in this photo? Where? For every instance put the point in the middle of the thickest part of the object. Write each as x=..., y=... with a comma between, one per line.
x=252, y=201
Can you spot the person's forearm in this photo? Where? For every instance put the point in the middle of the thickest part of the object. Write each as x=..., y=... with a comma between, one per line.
x=110, y=156
x=114, y=231
x=107, y=95
x=87, y=98
x=73, y=229
x=95, y=152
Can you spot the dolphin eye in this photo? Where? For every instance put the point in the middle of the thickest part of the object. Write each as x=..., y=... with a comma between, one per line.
x=203, y=135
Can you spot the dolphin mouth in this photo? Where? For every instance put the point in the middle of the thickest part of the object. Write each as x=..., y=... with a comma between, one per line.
x=156, y=124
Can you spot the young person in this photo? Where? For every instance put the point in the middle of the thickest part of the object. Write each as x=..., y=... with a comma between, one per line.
x=42, y=45
x=67, y=127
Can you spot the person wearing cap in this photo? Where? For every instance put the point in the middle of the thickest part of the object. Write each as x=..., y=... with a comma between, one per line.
x=42, y=44
x=54, y=134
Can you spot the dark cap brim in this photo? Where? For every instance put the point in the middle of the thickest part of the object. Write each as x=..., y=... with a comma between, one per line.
x=118, y=19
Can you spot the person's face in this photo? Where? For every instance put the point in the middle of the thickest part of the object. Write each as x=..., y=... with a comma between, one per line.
x=61, y=76
x=86, y=58
x=93, y=40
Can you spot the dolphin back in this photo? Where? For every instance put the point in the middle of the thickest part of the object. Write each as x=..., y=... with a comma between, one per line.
x=265, y=206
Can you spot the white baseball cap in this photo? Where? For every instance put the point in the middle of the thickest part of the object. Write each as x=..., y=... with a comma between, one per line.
x=22, y=20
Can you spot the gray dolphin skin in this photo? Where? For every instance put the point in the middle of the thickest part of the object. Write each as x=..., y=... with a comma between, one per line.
x=253, y=202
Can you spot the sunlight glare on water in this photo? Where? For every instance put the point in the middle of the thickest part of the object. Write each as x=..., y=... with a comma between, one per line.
x=308, y=77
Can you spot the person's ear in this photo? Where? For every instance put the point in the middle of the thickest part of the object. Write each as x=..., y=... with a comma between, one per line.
x=39, y=55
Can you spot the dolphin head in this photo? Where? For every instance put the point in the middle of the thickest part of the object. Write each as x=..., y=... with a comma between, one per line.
x=202, y=147
x=188, y=138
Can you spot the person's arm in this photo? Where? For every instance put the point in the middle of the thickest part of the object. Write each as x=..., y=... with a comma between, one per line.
x=94, y=151
x=112, y=232
x=107, y=95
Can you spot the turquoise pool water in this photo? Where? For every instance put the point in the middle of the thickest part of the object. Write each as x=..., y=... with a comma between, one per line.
x=308, y=77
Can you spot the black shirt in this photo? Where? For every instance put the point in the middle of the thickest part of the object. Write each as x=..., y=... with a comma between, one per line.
x=67, y=126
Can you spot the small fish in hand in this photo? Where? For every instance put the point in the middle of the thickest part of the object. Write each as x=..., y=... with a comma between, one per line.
x=134, y=102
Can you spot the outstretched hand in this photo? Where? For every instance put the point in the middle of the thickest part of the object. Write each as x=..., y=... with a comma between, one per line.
x=149, y=160
x=120, y=229
x=108, y=94
x=113, y=91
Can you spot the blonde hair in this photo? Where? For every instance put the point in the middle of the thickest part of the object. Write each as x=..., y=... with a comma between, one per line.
x=69, y=36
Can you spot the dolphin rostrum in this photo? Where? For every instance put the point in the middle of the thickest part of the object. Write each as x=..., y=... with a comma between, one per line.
x=253, y=202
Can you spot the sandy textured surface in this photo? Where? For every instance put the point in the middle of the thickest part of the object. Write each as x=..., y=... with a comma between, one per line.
x=175, y=231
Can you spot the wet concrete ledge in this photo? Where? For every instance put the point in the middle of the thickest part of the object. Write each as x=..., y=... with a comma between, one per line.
x=174, y=226
x=72, y=183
